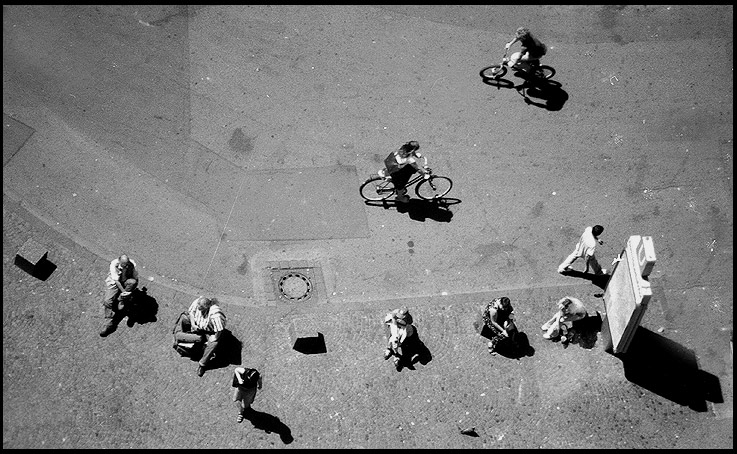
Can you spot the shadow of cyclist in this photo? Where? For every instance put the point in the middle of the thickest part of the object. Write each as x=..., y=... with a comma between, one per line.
x=549, y=92
x=420, y=210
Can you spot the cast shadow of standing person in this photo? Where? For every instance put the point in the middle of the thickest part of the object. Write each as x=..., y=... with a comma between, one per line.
x=269, y=423
x=416, y=352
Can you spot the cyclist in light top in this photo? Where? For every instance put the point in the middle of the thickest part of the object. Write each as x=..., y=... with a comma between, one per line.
x=532, y=48
x=401, y=165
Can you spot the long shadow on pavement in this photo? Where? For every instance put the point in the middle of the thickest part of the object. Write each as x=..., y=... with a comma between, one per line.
x=670, y=370
x=599, y=280
x=270, y=423
x=420, y=210
x=548, y=95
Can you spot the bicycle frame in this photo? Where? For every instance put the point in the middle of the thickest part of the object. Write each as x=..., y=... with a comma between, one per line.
x=413, y=181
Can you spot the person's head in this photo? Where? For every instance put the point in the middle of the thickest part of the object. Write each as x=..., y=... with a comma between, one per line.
x=204, y=304
x=409, y=148
x=522, y=32
x=402, y=322
x=596, y=230
x=124, y=261
x=502, y=302
x=564, y=302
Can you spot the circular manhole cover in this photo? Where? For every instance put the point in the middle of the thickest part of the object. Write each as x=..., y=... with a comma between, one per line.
x=295, y=286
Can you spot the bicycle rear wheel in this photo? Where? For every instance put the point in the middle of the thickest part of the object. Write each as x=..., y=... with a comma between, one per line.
x=493, y=72
x=376, y=188
x=433, y=188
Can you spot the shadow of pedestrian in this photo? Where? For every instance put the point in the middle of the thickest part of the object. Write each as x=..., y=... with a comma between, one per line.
x=418, y=353
x=142, y=308
x=420, y=210
x=270, y=423
x=670, y=370
x=599, y=280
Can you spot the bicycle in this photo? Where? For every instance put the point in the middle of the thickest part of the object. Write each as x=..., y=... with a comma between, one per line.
x=379, y=187
x=530, y=72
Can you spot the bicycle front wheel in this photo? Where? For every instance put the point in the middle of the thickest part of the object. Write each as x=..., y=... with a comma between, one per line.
x=493, y=72
x=433, y=188
x=376, y=188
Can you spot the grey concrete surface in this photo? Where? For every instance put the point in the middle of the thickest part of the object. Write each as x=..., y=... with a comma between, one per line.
x=146, y=122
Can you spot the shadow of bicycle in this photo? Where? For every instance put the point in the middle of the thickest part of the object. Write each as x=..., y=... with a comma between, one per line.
x=547, y=94
x=421, y=210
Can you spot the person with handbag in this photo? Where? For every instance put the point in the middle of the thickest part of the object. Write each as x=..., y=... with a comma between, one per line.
x=499, y=318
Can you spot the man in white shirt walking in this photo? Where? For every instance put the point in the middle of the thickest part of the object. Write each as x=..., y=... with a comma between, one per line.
x=585, y=249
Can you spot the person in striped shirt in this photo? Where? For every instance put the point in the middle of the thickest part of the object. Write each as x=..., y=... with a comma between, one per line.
x=208, y=320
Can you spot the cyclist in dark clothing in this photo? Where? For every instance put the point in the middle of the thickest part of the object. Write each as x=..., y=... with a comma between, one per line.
x=401, y=165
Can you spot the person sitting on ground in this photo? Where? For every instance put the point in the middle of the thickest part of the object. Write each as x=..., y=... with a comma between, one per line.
x=499, y=316
x=121, y=269
x=570, y=309
x=205, y=322
x=401, y=165
x=532, y=49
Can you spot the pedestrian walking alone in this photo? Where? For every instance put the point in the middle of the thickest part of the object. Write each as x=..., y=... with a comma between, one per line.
x=122, y=269
x=585, y=249
x=245, y=381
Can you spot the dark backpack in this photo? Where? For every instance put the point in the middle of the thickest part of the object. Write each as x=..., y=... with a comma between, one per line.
x=391, y=163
